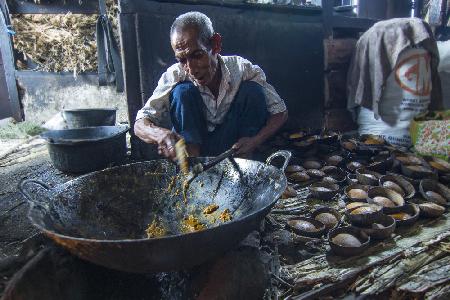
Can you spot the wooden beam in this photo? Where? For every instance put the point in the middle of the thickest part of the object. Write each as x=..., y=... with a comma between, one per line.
x=352, y=22
x=130, y=64
x=131, y=6
x=54, y=7
x=338, y=52
x=327, y=12
x=335, y=89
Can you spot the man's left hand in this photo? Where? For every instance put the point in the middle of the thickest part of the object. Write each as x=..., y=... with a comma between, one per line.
x=246, y=145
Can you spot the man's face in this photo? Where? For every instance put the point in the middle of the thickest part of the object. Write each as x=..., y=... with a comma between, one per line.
x=198, y=60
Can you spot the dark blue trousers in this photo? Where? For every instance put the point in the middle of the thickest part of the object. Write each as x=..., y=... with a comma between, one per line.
x=247, y=115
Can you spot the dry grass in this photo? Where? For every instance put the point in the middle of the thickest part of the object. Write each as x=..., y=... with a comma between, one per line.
x=60, y=43
x=20, y=130
x=57, y=42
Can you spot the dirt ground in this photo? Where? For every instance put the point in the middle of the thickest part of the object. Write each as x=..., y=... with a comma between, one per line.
x=28, y=161
x=304, y=261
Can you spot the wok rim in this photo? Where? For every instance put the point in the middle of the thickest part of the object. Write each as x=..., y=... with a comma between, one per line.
x=130, y=241
x=70, y=142
x=90, y=109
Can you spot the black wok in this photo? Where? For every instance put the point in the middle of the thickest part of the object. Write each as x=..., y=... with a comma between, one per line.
x=102, y=216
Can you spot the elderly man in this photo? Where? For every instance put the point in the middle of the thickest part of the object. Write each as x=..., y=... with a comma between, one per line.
x=214, y=102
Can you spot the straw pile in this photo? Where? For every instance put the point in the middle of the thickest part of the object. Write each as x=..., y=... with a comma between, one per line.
x=59, y=43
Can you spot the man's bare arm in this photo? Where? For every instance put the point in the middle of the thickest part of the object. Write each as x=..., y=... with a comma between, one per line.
x=152, y=134
x=247, y=145
x=273, y=125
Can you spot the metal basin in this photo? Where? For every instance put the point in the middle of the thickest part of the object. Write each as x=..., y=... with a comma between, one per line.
x=89, y=117
x=86, y=149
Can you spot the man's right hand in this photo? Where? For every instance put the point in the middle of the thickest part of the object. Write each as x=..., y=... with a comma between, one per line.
x=166, y=143
x=152, y=134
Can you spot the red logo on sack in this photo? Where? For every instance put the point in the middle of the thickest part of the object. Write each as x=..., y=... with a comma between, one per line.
x=413, y=74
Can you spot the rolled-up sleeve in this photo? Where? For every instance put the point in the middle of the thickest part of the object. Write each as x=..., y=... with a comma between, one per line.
x=157, y=107
x=254, y=73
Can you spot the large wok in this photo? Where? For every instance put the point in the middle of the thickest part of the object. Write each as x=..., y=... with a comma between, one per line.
x=102, y=216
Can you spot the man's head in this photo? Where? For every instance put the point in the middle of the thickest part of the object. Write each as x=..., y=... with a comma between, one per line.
x=196, y=45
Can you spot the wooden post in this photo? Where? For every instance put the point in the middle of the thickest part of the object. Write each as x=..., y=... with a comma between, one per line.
x=6, y=52
x=327, y=13
x=418, y=6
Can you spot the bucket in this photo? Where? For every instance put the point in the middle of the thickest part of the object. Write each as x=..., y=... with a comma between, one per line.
x=89, y=117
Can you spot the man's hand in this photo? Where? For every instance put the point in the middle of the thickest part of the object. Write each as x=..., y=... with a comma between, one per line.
x=246, y=145
x=152, y=134
x=166, y=144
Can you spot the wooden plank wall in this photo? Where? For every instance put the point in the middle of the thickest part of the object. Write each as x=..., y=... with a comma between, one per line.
x=9, y=69
x=5, y=110
x=338, y=53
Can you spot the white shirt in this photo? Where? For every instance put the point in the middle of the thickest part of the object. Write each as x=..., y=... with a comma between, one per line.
x=234, y=69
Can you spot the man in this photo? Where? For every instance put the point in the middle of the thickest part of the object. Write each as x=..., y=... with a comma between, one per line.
x=214, y=102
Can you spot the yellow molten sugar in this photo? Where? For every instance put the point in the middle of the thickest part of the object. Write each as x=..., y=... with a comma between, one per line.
x=191, y=224
x=373, y=141
x=210, y=209
x=225, y=216
x=153, y=230
x=296, y=135
x=185, y=189
x=181, y=152
x=437, y=166
x=172, y=183
x=401, y=216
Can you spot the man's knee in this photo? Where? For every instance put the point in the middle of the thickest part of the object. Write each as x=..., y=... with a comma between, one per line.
x=183, y=92
x=252, y=92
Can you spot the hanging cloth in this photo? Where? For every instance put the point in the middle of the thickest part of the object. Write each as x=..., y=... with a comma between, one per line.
x=109, y=61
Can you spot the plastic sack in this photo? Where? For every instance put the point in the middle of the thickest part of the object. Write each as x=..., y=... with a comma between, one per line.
x=406, y=95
